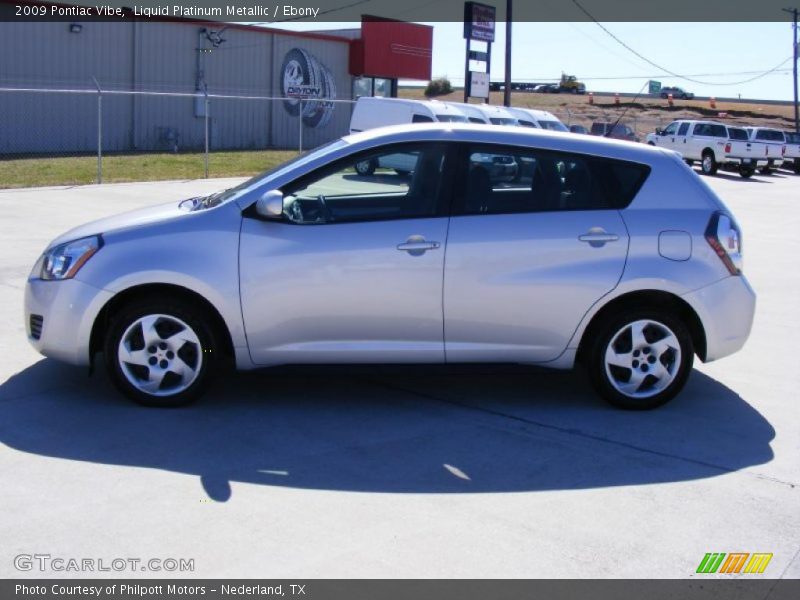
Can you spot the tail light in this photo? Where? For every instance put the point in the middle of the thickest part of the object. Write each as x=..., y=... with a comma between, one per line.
x=723, y=236
x=727, y=148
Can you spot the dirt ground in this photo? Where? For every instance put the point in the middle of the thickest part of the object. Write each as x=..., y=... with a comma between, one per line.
x=643, y=115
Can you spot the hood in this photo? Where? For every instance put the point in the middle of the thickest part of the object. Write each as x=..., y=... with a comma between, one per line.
x=134, y=218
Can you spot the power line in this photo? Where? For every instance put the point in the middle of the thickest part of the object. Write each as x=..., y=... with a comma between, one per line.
x=662, y=68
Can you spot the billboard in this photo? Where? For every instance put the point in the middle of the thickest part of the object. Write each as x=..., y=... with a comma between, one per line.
x=479, y=22
x=392, y=49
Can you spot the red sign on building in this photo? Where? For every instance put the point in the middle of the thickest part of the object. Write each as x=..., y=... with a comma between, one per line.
x=392, y=49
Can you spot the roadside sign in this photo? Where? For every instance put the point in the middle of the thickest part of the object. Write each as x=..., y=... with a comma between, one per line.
x=479, y=22
x=479, y=84
x=653, y=87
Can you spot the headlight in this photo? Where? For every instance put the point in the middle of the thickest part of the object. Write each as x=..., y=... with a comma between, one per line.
x=65, y=260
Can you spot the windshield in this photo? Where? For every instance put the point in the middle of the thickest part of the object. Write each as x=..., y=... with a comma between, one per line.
x=502, y=121
x=770, y=135
x=793, y=138
x=553, y=125
x=298, y=161
x=451, y=118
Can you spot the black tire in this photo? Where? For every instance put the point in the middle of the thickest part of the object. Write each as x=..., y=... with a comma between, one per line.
x=301, y=72
x=366, y=167
x=708, y=164
x=609, y=332
x=796, y=167
x=746, y=172
x=765, y=170
x=203, y=358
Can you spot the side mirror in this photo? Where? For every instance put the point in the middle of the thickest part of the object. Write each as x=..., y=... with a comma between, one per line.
x=659, y=131
x=270, y=205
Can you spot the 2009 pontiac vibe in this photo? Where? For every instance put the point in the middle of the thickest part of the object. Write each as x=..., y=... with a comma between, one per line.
x=491, y=244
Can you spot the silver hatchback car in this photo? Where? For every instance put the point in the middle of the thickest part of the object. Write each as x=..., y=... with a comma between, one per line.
x=594, y=251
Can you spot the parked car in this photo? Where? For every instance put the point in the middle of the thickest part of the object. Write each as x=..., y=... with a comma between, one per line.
x=791, y=157
x=775, y=141
x=547, y=88
x=578, y=129
x=677, y=93
x=618, y=131
x=613, y=256
x=371, y=112
x=528, y=117
x=714, y=144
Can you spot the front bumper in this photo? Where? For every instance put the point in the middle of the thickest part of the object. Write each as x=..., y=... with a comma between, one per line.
x=726, y=309
x=68, y=309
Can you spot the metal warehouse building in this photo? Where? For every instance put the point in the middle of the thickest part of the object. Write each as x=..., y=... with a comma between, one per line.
x=316, y=72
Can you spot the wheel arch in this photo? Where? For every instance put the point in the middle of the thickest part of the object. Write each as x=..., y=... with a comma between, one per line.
x=658, y=299
x=138, y=292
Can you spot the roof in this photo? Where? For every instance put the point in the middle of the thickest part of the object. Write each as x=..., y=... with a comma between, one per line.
x=511, y=135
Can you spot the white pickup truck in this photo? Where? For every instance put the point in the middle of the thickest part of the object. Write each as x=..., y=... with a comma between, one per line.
x=792, y=154
x=775, y=142
x=714, y=144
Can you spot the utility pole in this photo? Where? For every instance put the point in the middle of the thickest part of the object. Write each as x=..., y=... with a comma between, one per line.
x=507, y=88
x=793, y=12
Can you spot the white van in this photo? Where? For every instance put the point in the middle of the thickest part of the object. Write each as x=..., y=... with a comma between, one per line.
x=485, y=113
x=541, y=119
x=370, y=112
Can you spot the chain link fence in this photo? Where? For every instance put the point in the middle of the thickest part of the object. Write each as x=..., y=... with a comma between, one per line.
x=119, y=135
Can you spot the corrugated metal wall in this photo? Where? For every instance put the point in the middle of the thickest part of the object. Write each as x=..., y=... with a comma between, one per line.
x=159, y=56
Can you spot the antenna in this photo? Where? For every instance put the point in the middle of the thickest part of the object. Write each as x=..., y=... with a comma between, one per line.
x=619, y=118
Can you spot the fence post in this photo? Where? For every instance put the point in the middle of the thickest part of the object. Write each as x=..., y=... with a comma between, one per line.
x=99, y=131
x=205, y=154
x=300, y=118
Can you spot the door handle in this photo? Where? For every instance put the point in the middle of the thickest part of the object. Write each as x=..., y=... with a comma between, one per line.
x=417, y=245
x=597, y=237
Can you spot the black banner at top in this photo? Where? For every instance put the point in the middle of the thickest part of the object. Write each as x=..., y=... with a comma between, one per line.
x=277, y=11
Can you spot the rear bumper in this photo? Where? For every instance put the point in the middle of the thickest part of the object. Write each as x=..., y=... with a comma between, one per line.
x=726, y=309
x=751, y=162
x=67, y=310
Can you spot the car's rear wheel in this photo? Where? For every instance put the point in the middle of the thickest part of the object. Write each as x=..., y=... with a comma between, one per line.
x=641, y=360
x=709, y=164
x=766, y=170
x=797, y=167
x=160, y=353
x=746, y=172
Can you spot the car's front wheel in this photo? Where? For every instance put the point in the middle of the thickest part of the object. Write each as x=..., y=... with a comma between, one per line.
x=641, y=360
x=160, y=353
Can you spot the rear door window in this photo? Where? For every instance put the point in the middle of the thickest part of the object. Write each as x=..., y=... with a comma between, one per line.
x=501, y=180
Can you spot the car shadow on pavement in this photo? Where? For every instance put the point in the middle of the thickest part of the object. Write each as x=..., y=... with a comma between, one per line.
x=413, y=429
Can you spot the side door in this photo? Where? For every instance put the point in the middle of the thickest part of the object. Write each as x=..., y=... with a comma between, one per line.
x=682, y=144
x=528, y=254
x=667, y=137
x=353, y=270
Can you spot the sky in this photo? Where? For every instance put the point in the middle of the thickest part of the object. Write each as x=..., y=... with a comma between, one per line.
x=713, y=54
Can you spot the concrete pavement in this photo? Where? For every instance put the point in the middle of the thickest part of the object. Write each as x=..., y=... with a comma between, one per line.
x=404, y=472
